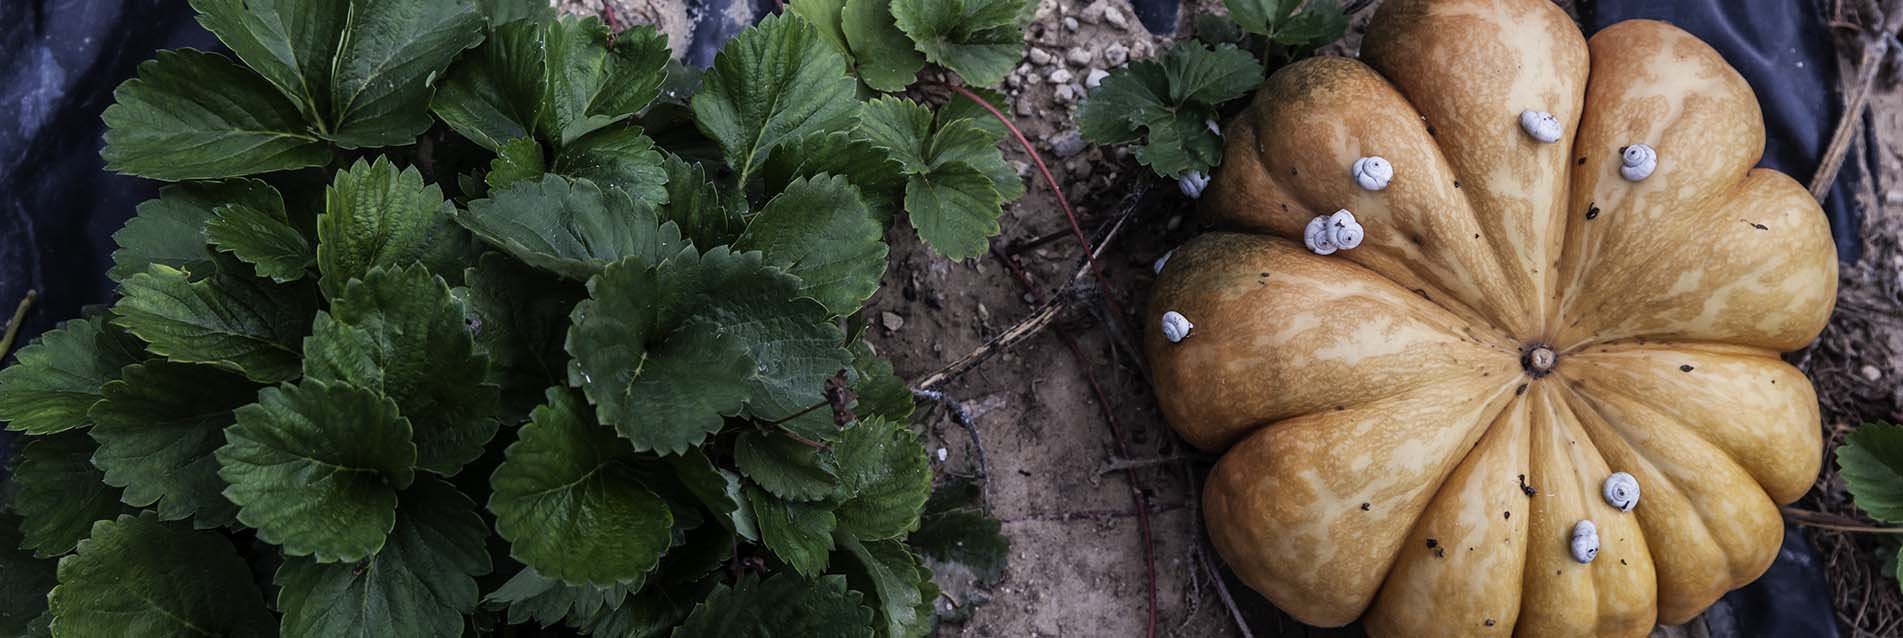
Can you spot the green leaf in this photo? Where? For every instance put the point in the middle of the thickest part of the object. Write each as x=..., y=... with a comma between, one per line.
x=135, y=576
x=785, y=467
x=717, y=489
x=375, y=215
x=882, y=394
x=1871, y=461
x=979, y=39
x=794, y=345
x=1317, y=23
x=57, y=378
x=239, y=323
x=494, y=94
x=955, y=530
x=564, y=481
x=876, y=175
x=592, y=84
x=634, y=345
x=399, y=333
x=706, y=216
x=170, y=230
x=263, y=238
x=360, y=70
x=502, y=12
x=59, y=493
x=23, y=590
x=887, y=60
x=420, y=584
x=900, y=127
x=570, y=227
x=888, y=477
x=158, y=428
x=618, y=156
x=519, y=160
x=801, y=534
x=955, y=209
x=776, y=82
x=783, y=605
x=894, y=578
x=825, y=16
x=520, y=317
x=819, y=230
x=528, y=595
x=196, y=115
x=315, y=467
x=1171, y=100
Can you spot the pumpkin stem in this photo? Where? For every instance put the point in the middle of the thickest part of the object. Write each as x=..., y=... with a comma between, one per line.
x=1539, y=361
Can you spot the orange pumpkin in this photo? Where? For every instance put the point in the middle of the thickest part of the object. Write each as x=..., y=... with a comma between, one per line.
x=1412, y=430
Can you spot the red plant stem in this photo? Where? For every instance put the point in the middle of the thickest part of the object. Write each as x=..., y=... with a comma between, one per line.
x=1137, y=497
x=1076, y=228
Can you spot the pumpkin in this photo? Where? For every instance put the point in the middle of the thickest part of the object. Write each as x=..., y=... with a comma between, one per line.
x=1423, y=431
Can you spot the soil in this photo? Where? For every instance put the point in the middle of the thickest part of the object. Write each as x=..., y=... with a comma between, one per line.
x=1040, y=440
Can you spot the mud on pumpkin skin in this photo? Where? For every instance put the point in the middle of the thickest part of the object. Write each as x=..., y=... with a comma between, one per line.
x=1528, y=331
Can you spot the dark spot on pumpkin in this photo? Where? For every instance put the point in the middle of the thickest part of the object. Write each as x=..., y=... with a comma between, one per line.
x=1431, y=543
x=1365, y=506
x=1291, y=171
x=1284, y=207
x=1476, y=235
x=1456, y=183
x=1622, y=561
x=1581, y=162
x=1416, y=239
x=1527, y=489
x=1506, y=514
x=1760, y=226
x=1622, y=149
x=1686, y=368
x=1339, y=408
x=1430, y=129
x=1489, y=622
x=1592, y=211
x=1265, y=274
x=1519, y=390
x=1440, y=552
x=1423, y=293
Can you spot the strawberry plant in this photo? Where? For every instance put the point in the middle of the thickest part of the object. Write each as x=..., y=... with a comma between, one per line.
x=465, y=317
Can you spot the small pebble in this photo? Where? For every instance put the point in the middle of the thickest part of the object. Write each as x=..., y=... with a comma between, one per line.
x=1095, y=77
x=1040, y=57
x=891, y=320
x=1060, y=76
x=1871, y=373
x=942, y=454
x=1116, y=54
x=1064, y=95
x=1079, y=56
x=1070, y=23
x=1116, y=19
x=1067, y=143
x=1025, y=108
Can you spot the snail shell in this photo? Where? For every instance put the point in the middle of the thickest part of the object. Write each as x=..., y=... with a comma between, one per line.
x=1585, y=541
x=1540, y=125
x=1192, y=184
x=1373, y=173
x=1622, y=491
x=1213, y=128
x=1343, y=231
x=1636, y=162
x=1176, y=327
x=1160, y=262
x=1317, y=237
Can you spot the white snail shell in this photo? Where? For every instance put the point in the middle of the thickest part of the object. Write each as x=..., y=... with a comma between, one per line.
x=1192, y=184
x=1343, y=231
x=1585, y=542
x=1622, y=491
x=1317, y=237
x=1636, y=162
x=1157, y=267
x=1373, y=173
x=1540, y=125
x=1213, y=128
x=1176, y=327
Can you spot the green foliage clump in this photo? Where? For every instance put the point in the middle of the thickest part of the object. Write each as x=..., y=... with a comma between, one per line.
x=431, y=336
